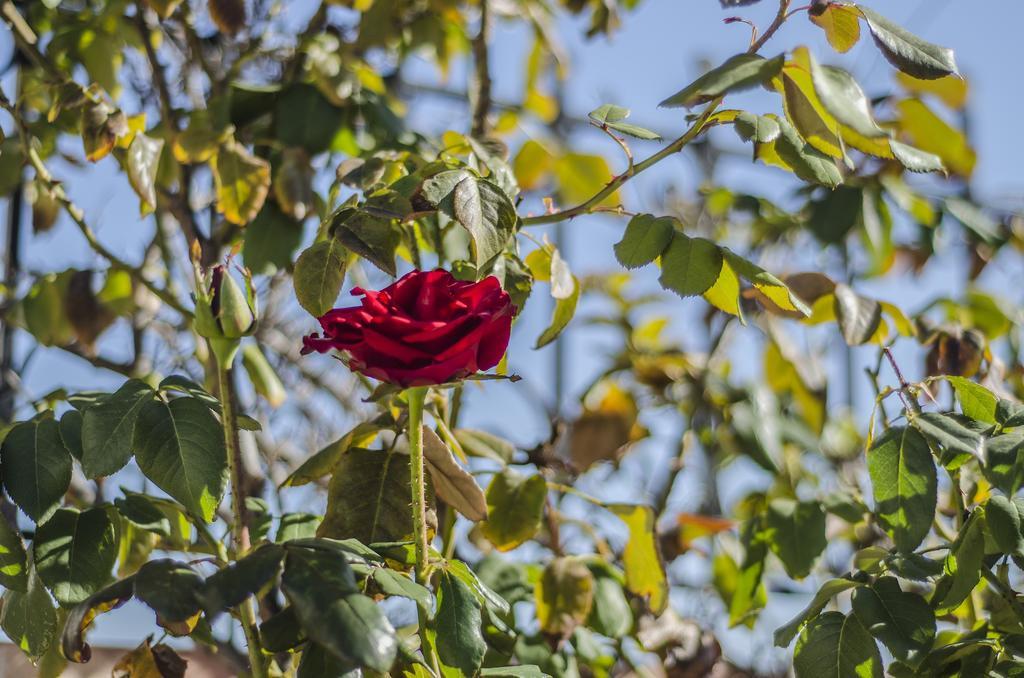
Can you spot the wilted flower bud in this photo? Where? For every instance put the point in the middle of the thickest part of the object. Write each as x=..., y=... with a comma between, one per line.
x=224, y=313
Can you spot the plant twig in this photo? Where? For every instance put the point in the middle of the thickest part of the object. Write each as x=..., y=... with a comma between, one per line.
x=78, y=216
x=482, y=74
x=239, y=524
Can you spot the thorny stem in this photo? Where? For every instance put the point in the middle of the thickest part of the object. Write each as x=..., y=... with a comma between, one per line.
x=416, y=396
x=239, y=526
x=909, y=401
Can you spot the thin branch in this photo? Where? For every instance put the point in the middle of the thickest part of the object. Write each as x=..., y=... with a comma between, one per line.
x=676, y=146
x=904, y=391
x=159, y=77
x=612, y=186
x=482, y=74
x=78, y=216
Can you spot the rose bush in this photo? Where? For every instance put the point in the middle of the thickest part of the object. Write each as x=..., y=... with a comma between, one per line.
x=426, y=328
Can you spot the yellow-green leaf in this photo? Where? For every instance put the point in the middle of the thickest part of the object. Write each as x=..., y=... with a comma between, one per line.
x=645, y=570
x=242, y=181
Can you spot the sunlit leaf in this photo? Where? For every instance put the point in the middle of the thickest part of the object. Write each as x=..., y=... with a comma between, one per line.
x=241, y=181
x=739, y=72
x=906, y=51
x=836, y=646
x=645, y=570
x=904, y=482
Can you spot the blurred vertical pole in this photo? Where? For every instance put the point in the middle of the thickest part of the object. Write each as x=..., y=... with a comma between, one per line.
x=12, y=268
x=560, y=342
x=12, y=271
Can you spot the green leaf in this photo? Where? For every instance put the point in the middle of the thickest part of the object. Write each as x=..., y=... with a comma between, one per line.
x=748, y=595
x=641, y=559
x=318, y=662
x=263, y=377
x=767, y=284
x=564, y=594
x=806, y=162
x=322, y=590
x=13, y=559
x=607, y=113
x=610, y=615
x=368, y=498
x=916, y=160
x=564, y=311
x=840, y=22
x=612, y=116
x=392, y=583
x=959, y=442
x=1005, y=465
x=761, y=129
x=843, y=98
x=304, y=117
x=486, y=445
x=515, y=508
x=108, y=429
x=28, y=618
x=71, y=432
x=690, y=266
x=297, y=526
x=902, y=620
x=740, y=72
x=906, y=51
x=318, y=276
x=904, y=481
x=171, y=589
x=142, y=160
x=270, y=241
x=36, y=467
x=974, y=219
x=486, y=212
x=1004, y=524
x=580, y=176
x=230, y=586
x=963, y=565
x=976, y=401
x=858, y=317
x=371, y=237
x=321, y=463
x=796, y=534
x=784, y=635
x=241, y=182
x=82, y=615
x=644, y=240
x=838, y=646
x=460, y=642
x=520, y=671
x=141, y=512
x=180, y=447
x=74, y=553
x=282, y=632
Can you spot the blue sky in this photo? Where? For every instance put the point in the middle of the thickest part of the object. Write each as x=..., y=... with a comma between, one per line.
x=655, y=53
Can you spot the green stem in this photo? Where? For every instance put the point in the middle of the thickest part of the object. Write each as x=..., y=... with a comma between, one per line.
x=416, y=397
x=239, y=527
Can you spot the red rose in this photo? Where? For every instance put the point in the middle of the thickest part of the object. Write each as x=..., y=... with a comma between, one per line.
x=426, y=328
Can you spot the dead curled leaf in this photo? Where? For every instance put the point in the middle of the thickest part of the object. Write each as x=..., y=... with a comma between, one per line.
x=452, y=483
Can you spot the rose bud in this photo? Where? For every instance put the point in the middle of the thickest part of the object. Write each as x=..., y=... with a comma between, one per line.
x=224, y=313
x=426, y=328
